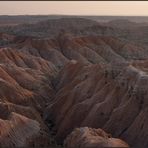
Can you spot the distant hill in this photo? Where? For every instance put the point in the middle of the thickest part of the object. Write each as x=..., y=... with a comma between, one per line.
x=48, y=26
x=20, y=19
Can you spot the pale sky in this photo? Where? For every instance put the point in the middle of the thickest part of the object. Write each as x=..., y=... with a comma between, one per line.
x=74, y=7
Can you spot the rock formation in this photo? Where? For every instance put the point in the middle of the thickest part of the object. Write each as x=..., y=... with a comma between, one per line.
x=92, y=138
x=91, y=96
x=50, y=86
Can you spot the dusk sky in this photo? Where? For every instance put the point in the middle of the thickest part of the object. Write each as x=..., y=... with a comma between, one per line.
x=74, y=7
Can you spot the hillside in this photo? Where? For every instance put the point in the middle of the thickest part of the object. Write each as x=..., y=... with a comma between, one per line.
x=81, y=82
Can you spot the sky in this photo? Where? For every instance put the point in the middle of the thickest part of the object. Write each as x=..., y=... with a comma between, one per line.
x=128, y=8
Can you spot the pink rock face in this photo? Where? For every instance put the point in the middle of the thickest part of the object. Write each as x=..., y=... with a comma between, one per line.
x=85, y=137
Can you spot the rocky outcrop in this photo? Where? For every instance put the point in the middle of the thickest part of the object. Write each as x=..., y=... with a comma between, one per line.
x=52, y=86
x=85, y=137
x=99, y=97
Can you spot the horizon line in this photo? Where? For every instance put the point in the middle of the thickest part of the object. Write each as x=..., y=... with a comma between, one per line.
x=71, y=15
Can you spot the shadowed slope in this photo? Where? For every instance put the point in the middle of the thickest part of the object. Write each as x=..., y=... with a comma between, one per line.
x=100, y=98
